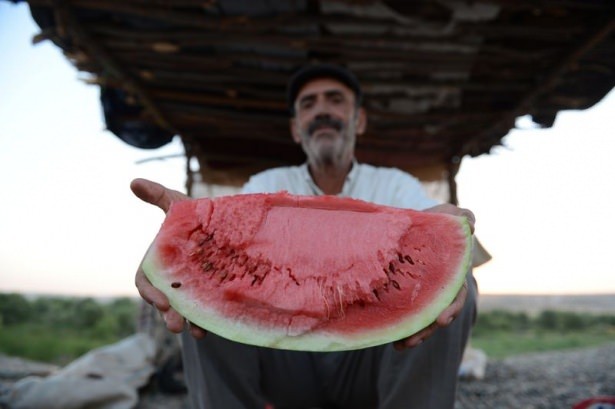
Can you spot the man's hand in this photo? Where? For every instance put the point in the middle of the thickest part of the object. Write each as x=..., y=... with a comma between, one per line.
x=452, y=311
x=158, y=195
x=455, y=211
x=444, y=319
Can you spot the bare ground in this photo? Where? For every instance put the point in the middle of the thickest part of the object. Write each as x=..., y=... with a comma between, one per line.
x=548, y=380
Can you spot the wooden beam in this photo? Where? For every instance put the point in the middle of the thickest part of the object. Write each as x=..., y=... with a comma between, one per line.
x=82, y=37
x=549, y=82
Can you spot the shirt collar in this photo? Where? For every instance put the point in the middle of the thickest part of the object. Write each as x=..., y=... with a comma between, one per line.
x=352, y=175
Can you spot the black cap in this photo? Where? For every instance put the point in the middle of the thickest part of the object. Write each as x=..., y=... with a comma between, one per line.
x=310, y=72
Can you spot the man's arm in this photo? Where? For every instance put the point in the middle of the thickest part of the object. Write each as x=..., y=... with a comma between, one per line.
x=161, y=197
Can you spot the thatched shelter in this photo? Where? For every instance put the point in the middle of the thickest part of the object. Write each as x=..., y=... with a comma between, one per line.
x=443, y=79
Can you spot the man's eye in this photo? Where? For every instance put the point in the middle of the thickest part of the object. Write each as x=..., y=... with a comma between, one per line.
x=306, y=104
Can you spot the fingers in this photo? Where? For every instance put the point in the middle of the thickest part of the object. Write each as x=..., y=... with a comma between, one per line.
x=174, y=321
x=455, y=211
x=454, y=309
x=468, y=214
x=162, y=197
x=155, y=193
x=416, y=339
x=197, y=332
x=445, y=318
x=469, y=217
x=150, y=293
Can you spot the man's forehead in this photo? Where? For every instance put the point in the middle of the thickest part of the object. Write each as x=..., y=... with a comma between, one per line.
x=322, y=85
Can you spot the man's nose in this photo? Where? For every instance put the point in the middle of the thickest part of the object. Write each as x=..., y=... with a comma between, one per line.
x=322, y=107
x=322, y=116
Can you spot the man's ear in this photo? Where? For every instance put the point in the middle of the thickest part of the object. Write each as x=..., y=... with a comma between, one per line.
x=361, y=121
x=294, y=131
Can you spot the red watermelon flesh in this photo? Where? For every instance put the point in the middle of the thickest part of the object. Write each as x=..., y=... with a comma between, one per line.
x=318, y=273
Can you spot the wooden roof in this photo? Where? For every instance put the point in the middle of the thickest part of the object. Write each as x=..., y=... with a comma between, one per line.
x=442, y=79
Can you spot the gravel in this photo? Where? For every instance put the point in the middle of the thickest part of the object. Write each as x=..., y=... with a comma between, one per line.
x=547, y=380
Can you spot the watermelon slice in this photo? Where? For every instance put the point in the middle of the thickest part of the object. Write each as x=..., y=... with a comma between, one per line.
x=318, y=273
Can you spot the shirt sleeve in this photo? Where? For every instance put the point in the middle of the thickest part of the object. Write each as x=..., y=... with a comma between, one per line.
x=410, y=193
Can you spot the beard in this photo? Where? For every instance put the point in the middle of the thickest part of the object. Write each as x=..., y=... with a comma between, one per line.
x=326, y=140
x=328, y=155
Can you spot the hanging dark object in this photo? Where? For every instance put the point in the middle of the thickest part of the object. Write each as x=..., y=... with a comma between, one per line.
x=126, y=122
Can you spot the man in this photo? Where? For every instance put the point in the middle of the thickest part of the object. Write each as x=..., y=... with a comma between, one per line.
x=417, y=372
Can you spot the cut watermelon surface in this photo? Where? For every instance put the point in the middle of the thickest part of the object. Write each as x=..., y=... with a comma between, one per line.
x=318, y=273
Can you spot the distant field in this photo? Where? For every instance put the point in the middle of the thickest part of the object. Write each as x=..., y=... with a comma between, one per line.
x=59, y=329
x=594, y=303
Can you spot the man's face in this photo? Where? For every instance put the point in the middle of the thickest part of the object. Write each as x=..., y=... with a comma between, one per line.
x=327, y=121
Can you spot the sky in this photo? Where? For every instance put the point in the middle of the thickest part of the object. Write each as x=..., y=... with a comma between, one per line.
x=70, y=225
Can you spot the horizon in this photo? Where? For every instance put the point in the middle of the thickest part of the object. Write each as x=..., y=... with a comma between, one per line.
x=592, y=304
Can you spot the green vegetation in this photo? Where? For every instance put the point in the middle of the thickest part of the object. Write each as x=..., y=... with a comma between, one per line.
x=58, y=330
x=503, y=333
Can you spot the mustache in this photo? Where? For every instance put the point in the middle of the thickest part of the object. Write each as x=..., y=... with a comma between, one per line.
x=324, y=121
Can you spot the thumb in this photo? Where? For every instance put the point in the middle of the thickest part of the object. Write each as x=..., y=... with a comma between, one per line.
x=155, y=193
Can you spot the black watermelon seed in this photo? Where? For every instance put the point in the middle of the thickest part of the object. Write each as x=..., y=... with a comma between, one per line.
x=409, y=259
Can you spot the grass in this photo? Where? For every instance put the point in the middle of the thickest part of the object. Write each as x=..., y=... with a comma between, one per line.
x=54, y=345
x=74, y=327
x=60, y=329
x=502, y=344
x=62, y=345
x=503, y=333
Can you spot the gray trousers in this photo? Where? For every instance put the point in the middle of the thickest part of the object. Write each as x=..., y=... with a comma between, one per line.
x=222, y=374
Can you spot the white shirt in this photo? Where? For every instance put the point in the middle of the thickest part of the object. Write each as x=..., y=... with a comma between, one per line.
x=384, y=186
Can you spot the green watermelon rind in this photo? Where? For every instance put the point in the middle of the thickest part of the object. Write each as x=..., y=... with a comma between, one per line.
x=238, y=330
